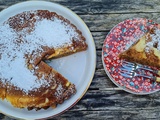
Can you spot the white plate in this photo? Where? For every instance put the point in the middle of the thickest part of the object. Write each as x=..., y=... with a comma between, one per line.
x=79, y=68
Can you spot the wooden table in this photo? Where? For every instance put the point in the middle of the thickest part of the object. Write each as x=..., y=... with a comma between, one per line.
x=104, y=100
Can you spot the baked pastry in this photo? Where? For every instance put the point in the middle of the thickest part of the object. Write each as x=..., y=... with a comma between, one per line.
x=146, y=50
x=26, y=41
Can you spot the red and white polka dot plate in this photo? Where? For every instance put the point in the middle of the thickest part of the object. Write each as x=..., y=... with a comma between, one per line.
x=119, y=39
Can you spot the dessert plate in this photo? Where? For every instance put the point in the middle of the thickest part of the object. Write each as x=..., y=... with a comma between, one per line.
x=120, y=38
x=78, y=68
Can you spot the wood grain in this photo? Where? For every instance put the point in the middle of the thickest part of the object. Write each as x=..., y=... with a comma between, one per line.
x=105, y=22
x=101, y=6
x=115, y=105
x=151, y=114
x=104, y=100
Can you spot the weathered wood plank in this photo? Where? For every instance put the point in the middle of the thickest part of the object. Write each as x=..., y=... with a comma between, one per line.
x=105, y=22
x=101, y=83
x=99, y=38
x=116, y=100
x=115, y=105
x=101, y=6
x=99, y=59
x=104, y=100
x=100, y=72
x=151, y=114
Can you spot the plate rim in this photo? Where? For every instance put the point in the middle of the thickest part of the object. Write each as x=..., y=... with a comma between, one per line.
x=93, y=47
x=106, y=71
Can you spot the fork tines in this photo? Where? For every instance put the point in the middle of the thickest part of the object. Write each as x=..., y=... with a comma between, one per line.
x=129, y=70
x=126, y=73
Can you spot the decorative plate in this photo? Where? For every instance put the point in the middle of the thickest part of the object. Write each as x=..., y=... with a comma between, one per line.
x=119, y=39
x=78, y=72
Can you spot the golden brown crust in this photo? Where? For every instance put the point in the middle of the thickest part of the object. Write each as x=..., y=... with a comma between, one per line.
x=3, y=90
x=139, y=57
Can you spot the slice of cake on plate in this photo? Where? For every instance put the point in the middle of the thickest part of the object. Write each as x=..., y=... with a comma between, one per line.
x=145, y=50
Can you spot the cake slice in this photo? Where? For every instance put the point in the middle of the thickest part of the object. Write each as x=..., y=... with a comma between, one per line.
x=54, y=91
x=145, y=50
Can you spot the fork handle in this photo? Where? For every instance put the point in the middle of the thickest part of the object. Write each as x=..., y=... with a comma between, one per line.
x=151, y=70
x=157, y=79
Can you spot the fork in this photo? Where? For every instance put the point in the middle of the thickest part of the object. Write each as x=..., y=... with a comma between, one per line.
x=135, y=66
x=130, y=74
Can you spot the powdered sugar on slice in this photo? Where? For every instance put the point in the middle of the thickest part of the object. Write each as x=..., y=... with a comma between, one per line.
x=155, y=39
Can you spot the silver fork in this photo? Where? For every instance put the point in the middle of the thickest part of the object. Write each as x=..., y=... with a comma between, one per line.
x=130, y=74
x=135, y=66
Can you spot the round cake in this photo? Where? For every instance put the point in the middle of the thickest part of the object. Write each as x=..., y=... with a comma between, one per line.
x=26, y=41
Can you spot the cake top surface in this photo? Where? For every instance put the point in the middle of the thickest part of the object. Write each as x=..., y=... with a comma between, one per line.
x=15, y=44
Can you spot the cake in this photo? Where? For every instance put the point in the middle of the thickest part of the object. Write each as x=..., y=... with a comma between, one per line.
x=145, y=50
x=26, y=41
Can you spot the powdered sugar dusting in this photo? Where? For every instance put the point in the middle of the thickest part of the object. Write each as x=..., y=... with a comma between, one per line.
x=55, y=33
x=155, y=39
x=14, y=45
x=13, y=66
x=59, y=90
